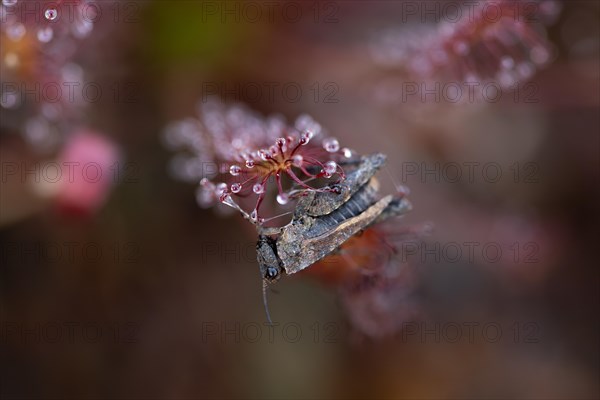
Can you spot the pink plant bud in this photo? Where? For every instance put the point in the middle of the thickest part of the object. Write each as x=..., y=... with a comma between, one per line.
x=89, y=163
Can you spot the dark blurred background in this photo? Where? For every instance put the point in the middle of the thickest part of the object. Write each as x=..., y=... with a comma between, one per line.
x=150, y=296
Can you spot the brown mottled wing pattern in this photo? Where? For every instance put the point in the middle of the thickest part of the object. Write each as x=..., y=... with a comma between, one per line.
x=322, y=203
x=299, y=252
x=323, y=221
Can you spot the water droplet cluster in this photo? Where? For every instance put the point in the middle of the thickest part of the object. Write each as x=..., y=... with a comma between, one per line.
x=38, y=42
x=249, y=154
x=504, y=47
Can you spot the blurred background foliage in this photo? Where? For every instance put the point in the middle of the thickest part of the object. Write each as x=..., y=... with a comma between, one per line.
x=171, y=272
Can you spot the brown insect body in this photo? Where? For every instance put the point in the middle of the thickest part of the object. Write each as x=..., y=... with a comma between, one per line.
x=324, y=220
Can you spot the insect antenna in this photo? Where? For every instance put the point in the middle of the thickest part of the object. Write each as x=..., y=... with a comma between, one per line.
x=275, y=217
x=401, y=189
x=264, y=292
x=253, y=218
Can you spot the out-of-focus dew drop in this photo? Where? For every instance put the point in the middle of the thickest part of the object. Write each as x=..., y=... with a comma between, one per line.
x=16, y=31
x=331, y=145
x=45, y=35
x=204, y=197
x=11, y=60
x=40, y=135
x=297, y=160
x=10, y=100
x=82, y=28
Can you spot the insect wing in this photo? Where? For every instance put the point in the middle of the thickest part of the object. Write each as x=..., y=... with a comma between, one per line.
x=322, y=203
x=297, y=253
x=398, y=206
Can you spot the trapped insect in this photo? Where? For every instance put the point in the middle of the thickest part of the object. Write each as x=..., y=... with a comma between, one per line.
x=323, y=220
